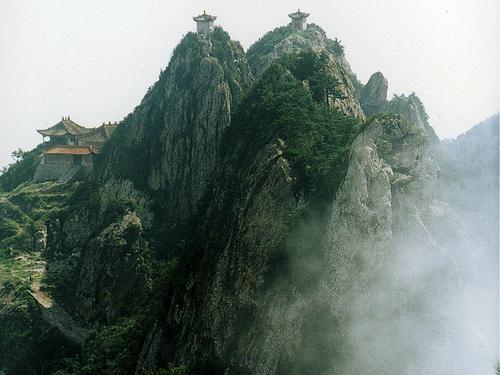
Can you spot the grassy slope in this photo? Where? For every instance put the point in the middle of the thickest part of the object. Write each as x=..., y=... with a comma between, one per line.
x=24, y=211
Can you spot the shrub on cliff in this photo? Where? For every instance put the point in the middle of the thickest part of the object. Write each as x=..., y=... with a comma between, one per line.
x=335, y=46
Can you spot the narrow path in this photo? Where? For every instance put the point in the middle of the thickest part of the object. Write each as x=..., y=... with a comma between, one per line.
x=52, y=313
x=42, y=297
x=37, y=274
x=27, y=270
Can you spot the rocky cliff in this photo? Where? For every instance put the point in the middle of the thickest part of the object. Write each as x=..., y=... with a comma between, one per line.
x=373, y=96
x=412, y=109
x=388, y=264
x=104, y=250
x=284, y=40
x=264, y=226
x=379, y=215
x=167, y=146
x=150, y=178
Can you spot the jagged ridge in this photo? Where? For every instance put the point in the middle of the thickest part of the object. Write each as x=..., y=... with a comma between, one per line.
x=282, y=251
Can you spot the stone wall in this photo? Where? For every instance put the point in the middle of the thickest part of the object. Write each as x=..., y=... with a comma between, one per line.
x=204, y=27
x=47, y=172
x=54, y=159
x=53, y=167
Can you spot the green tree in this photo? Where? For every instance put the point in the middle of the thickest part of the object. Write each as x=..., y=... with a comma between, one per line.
x=316, y=136
x=314, y=68
x=335, y=46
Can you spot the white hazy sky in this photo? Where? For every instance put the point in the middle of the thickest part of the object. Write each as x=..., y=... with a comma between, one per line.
x=94, y=60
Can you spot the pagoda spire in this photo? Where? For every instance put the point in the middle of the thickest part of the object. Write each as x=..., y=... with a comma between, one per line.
x=299, y=20
x=204, y=23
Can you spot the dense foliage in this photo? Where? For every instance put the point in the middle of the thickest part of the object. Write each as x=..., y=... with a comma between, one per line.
x=289, y=103
x=111, y=350
x=312, y=67
x=22, y=170
x=335, y=46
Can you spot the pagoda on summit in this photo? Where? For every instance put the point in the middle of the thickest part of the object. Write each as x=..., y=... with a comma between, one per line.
x=204, y=23
x=299, y=20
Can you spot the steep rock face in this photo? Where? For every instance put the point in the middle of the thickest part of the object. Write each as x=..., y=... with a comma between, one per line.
x=374, y=94
x=98, y=257
x=383, y=295
x=402, y=259
x=228, y=311
x=239, y=313
x=231, y=260
x=373, y=98
x=167, y=146
x=284, y=41
x=387, y=188
x=150, y=178
x=114, y=272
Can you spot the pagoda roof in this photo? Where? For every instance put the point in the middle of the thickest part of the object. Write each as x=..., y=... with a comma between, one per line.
x=100, y=134
x=64, y=127
x=204, y=17
x=71, y=150
x=298, y=14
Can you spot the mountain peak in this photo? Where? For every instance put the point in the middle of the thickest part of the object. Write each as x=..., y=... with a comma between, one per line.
x=374, y=93
x=288, y=40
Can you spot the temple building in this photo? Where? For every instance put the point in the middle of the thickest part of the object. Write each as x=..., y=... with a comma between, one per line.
x=299, y=20
x=65, y=132
x=98, y=136
x=71, y=149
x=64, y=164
x=204, y=23
x=68, y=133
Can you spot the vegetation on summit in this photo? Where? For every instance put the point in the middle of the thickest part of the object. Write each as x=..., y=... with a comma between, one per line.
x=266, y=43
x=291, y=101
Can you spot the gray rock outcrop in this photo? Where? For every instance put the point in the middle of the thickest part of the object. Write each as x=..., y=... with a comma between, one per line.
x=167, y=147
x=402, y=255
x=374, y=94
x=231, y=261
x=395, y=258
x=154, y=170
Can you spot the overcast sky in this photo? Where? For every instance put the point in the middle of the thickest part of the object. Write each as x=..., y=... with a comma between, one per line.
x=94, y=60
